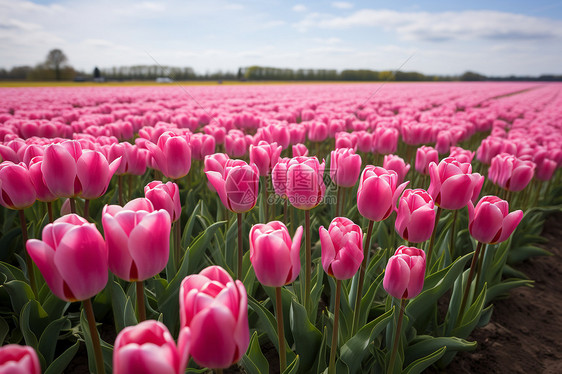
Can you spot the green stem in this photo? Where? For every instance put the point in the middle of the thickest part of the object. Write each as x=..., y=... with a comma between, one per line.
x=177, y=243
x=469, y=279
x=100, y=369
x=86, y=209
x=265, y=198
x=72, y=205
x=338, y=200
x=50, y=211
x=334, y=347
x=479, y=271
x=285, y=211
x=141, y=309
x=240, y=246
x=396, y=337
x=280, y=329
x=120, y=187
x=452, y=241
x=362, y=270
x=432, y=240
x=130, y=184
x=218, y=371
x=308, y=260
x=28, y=262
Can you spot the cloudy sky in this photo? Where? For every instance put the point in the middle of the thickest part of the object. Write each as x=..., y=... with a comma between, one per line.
x=490, y=37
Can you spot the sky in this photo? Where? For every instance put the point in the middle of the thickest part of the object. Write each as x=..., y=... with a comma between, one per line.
x=497, y=38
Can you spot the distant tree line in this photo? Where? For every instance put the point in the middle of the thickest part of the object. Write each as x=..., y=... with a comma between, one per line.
x=56, y=67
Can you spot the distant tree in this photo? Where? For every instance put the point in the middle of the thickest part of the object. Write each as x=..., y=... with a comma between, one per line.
x=472, y=76
x=97, y=73
x=56, y=60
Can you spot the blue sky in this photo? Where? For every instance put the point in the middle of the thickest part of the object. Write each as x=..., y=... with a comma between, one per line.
x=490, y=37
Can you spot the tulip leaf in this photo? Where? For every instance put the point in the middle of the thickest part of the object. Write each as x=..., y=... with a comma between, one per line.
x=485, y=316
x=118, y=302
x=520, y=254
x=471, y=317
x=293, y=367
x=188, y=228
x=31, y=318
x=306, y=336
x=62, y=361
x=20, y=294
x=4, y=330
x=6, y=250
x=107, y=349
x=354, y=350
x=254, y=361
x=12, y=272
x=48, y=340
x=424, y=345
x=506, y=285
x=423, y=363
x=129, y=317
x=197, y=249
x=320, y=363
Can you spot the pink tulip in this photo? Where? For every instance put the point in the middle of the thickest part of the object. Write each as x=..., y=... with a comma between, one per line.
x=172, y=155
x=94, y=173
x=19, y=359
x=134, y=160
x=274, y=256
x=237, y=185
x=300, y=150
x=317, y=131
x=396, y=163
x=488, y=149
x=265, y=156
x=16, y=187
x=462, y=155
x=378, y=192
x=164, y=196
x=305, y=185
x=36, y=175
x=424, y=156
x=235, y=145
x=510, y=172
x=385, y=140
x=490, y=221
x=452, y=183
x=345, y=167
x=215, y=162
x=279, y=177
x=443, y=142
x=415, y=217
x=342, y=248
x=201, y=145
x=137, y=239
x=215, y=309
x=545, y=169
x=149, y=348
x=404, y=274
x=72, y=258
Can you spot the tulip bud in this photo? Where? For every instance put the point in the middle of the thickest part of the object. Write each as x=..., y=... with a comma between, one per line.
x=396, y=163
x=342, y=248
x=404, y=273
x=378, y=192
x=16, y=188
x=424, y=156
x=164, y=196
x=415, y=217
x=490, y=221
x=305, y=184
x=237, y=186
x=265, y=156
x=19, y=359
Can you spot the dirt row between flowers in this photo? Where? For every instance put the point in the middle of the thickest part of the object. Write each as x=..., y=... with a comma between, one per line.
x=525, y=333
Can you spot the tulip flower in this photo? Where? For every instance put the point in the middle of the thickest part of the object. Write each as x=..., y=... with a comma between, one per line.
x=396, y=163
x=215, y=309
x=276, y=261
x=265, y=156
x=279, y=177
x=300, y=149
x=215, y=162
x=19, y=359
x=345, y=167
x=305, y=185
x=149, y=348
x=342, y=248
x=164, y=196
x=424, y=156
x=385, y=140
x=202, y=145
x=545, y=169
x=462, y=155
x=378, y=192
x=490, y=221
x=415, y=217
x=510, y=172
x=171, y=154
x=16, y=187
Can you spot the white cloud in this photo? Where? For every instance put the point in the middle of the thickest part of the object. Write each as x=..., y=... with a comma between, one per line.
x=342, y=5
x=299, y=8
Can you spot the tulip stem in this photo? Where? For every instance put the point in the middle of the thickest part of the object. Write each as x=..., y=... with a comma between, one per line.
x=280, y=329
x=86, y=209
x=338, y=200
x=285, y=211
x=120, y=188
x=94, y=334
x=362, y=270
x=480, y=262
x=177, y=243
x=432, y=240
x=50, y=211
x=266, y=199
x=218, y=371
x=130, y=184
x=469, y=279
x=308, y=260
x=396, y=337
x=334, y=347
x=240, y=245
x=141, y=309
x=452, y=242
x=28, y=262
x=72, y=205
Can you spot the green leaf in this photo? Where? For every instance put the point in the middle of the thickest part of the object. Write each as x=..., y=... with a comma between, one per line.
x=4, y=330
x=107, y=349
x=6, y=249
x=20, y=293
x=54, y=307
x=62, y=361
x=426, y=345
x=306, y=336
x=254, y=361
x=188, y=229
x=355, y=349
x=293, y=367
x=423, y=363
x=48, y=340
x=506, y=285
x=520, y=254
x=199, y=245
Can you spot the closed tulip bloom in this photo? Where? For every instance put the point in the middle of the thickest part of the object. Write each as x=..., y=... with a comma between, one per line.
x=510, y=172
x=385, y=140
x=300, y=149
x=305, y=183
x=274, y=256
x=135, y=159
x=36, y=175
x=462, y=155
x=235, y=145
x=215, y=162
x=404, y=273
x=424, y=156
x=342, y=248
x=171, y=154
x=317, y=131
x=94, y=173
x=545, y=169
x=490, y=221
x=19, y=359
x=452, y=184
x=201, y=145
x=164, y=196
x=72, y=258
x=149, y=348
x=215, y=309
x=265, y=156
x=415, y=217
x=137, y=239
x=279, y=177
x=378, y=192
x=345, y=167
x=16, y=188
x=237, y=185
x=396, y=163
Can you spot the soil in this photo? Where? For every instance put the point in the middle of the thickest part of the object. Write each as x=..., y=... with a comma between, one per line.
x=525, y=333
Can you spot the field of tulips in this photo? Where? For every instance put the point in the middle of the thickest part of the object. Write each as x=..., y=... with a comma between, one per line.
x=339, y=228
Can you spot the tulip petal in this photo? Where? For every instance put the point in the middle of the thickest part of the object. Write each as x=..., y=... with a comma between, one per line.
x=59, y=170
x=44, y=257
x=509, y=224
